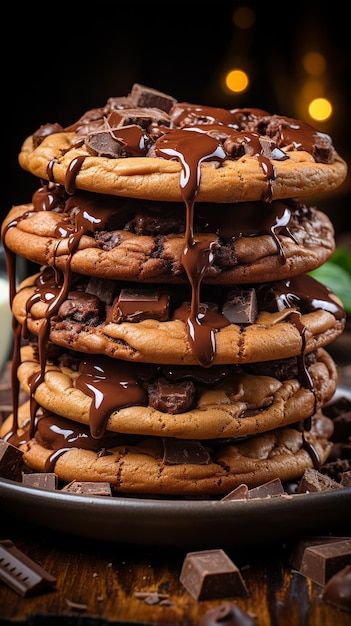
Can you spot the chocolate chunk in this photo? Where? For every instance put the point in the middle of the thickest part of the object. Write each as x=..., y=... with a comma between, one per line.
x=135, y=305
x=171, y=398
x=81, y=307
x=267, y=490
x=346, y=479
x=227, y=614
x=44, y=131
x=43, y=480
x=142, y=96
x=102, y=288
x=239, y=493
x=337, y=591
x=86, y=488
x=184, y=451
x=241, y=307
x=307, y=542
x=22, y=574
x=312, y=480
x=322, y=561
x=104, y=144
x=11, y=460
x=141, y=117
x=210, y=574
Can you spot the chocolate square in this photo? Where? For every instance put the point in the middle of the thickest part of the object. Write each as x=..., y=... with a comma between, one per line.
x=210, y=574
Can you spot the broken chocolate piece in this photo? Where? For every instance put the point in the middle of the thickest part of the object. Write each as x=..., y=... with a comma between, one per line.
x=142, y=96
x=346, y=479
x=267, y=490
x=11, y=459
x=172, y=398
x=239, y=493
x=322, y=561
x=43, y=480
x=86, y=488
x=141, y=117
x=210, y=574
x=312, y=480
x=307, y=542
x=22, y=574
x=241, y=307
x=337, y=591
x=227, y=614
x=135, y=305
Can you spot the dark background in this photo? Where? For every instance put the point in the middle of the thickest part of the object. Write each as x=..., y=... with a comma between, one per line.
x=64, y=58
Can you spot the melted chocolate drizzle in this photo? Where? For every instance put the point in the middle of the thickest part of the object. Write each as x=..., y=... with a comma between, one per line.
x=198, y=134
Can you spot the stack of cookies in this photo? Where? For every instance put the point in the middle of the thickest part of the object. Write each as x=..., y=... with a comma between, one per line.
x=172, y=341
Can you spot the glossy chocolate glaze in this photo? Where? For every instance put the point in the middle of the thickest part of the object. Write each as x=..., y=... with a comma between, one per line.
x=195, y=134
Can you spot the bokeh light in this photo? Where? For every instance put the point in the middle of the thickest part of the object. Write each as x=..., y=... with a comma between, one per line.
x=237, y=80
x=244, y=17
x=320, y=109
x=314, y=63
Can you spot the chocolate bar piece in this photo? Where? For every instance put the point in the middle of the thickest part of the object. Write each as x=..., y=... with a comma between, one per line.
x=241, y=307
x=321, y=562
x=87, y=488
x=143, y=96
x=307, y=542
x=135, y=305
x=11, y=459
x=337, y=591
x=267, y=490
x=43, y=480
x=210, y=574
x=241, y=492
x=22, y=574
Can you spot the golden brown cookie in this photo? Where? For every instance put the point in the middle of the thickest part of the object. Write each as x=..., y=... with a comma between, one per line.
x=148, y=324
x=132, y=147
x=158, y=179
x=180, y=402
x=142, y=241
x=165, y=466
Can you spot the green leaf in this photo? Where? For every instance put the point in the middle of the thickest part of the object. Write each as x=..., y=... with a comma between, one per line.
x=337, y=279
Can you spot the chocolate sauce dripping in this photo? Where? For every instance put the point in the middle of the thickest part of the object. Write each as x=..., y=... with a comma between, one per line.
x=10, y=258
x=197, y=256
x=301, y=294
x=111, y=385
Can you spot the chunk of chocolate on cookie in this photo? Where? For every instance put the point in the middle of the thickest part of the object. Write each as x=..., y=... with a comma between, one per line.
x=143, y=96
x=241, y=306
x=135, y=305
x=43, y=480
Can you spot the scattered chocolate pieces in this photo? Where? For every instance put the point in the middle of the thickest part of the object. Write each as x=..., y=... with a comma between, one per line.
x=337, y=591
x=22, y=574
x=227, y=614
x=320, y=562
x=47, y=481
x=88, y=488
x=10, y=461
x=210, y=574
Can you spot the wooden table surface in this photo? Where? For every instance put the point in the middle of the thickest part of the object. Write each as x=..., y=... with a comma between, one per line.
x=97, y=580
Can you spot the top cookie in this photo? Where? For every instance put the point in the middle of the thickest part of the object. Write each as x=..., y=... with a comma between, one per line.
x=148, y=145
